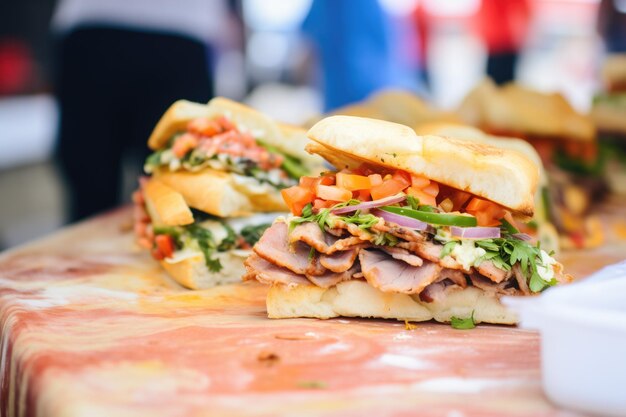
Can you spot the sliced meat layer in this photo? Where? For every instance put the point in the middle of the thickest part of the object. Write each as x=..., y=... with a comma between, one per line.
x=454, y=275
x=490, y=287
x=315, y=267
x=268, y=273
x=432, y=252
x=402, y=255
x=390, y=275
x=521, y=279
x=489, y=270
x=275, y=248
x=400, y=232
x=340, y=261
x=330, y=279
x=311, y=234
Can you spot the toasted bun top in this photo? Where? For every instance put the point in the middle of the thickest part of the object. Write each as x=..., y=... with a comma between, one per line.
x=519, y=110
x=407, y=108
x=502, y=176
x=288, y=139
x=476, y=135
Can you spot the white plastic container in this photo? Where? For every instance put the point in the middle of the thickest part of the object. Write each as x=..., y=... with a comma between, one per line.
x=583, y=341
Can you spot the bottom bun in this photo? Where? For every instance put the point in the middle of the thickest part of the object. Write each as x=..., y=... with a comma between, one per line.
x=356, y=298
x=193, y=273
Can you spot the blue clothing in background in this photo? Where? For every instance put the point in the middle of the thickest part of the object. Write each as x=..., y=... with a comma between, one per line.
x=353, y=46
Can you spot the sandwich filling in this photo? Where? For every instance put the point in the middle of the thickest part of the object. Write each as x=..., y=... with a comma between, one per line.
x=207, y=236
x=402, y=234
x=218, y=144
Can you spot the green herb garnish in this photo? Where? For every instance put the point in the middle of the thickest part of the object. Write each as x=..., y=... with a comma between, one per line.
x=463, y=324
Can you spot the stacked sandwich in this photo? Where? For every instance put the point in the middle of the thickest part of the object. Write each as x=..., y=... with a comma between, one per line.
x=566, y=142
x=397, y=106
x=609, y=116
x=213, y=166
x=409, y=227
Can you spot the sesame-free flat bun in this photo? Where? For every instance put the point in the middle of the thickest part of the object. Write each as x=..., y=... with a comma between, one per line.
x=355, y=298
x=288, y=139
x=220, y=193
x=502, y=176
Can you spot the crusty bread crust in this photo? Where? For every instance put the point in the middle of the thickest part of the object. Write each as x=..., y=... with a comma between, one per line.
x=355, y=298
x=166, y=205
x=217, y=193
x=193, y=273
x=505, y=177
x=609, y=119
x=513, y=108
x=286, y=138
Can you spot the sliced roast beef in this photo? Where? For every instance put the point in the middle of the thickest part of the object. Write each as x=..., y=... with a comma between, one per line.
x=330, y=279
x=311, y=234
x=275, y=248
x=488, y=286
x=489, y=270
x=454, y=275
x=402, y=255
x=400, y=232
x=521, y=279
x=268, y=273
x=437, y=291
x=340, y=261
x=315, y=267
x=390, y=275
x=431, y=251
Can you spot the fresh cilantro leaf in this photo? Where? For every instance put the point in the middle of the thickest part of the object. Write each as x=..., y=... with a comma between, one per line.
x=463, y=324
x=448, y=248
x=251, y=234
x=413, y=202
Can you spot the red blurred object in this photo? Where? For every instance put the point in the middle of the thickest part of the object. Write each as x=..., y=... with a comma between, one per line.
x=503, y=24
x=16, y=66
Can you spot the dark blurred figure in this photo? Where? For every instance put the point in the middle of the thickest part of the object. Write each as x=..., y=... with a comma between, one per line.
x=352, y=46
x=612, y=24
x=502, y=25
x=121, y=63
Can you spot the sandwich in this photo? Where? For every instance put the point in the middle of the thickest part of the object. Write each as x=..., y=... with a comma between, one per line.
x=227, y=159
x=609, y=116
x=540, y=226
x=398, y=106
x=566, y=142
x=216, y=175
x=408, y=227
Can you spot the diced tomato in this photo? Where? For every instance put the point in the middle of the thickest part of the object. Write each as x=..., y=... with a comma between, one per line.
x=484, y=218
x=459, y=198
x=328, y=179
x=309, y=183
x=375, y=179
x=431, y=189
x=157, y=254
x=477, y=204
x=334, y=193
x=321, y=204
x=387, y=188
x=353, y=182
x=486, y=212
x=226, y=123
x=402, y=177
x=204, y=127
x=165, y=244
x=140, y=229
x=184, y=144
x=418, y=181
x=424, y=199
x=363, y=170
x=362, y=195
x=296, y=198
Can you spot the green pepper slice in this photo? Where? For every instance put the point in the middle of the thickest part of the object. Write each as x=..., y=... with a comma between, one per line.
x=433, y=218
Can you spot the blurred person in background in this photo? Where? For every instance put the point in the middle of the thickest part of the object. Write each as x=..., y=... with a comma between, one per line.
x=352, y=47
x=612, y=24
x=121, y=63
x=502, y=25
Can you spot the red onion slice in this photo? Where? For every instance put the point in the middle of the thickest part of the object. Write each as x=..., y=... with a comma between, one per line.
x=398, y=198
x=475, y=232
x=402, y=220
